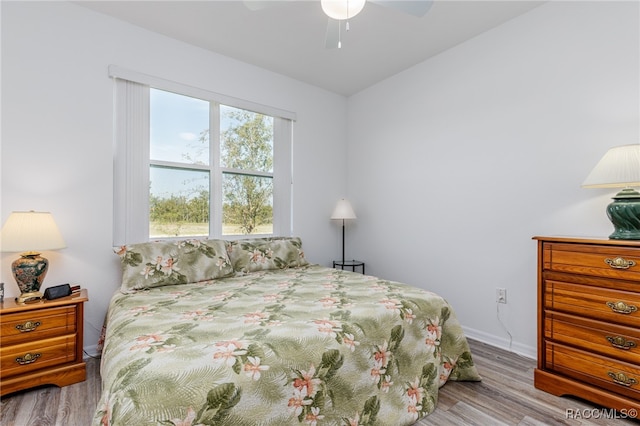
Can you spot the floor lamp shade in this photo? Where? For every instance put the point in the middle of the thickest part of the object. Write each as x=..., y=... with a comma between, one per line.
x=620, y=168
x=29, y=233
x=343, y=210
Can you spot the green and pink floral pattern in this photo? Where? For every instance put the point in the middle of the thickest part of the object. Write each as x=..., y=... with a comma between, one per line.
x=263, y=254
x=298, y=346
x=160, y=263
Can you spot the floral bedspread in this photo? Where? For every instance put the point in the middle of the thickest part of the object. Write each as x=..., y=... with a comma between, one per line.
x=301, y=346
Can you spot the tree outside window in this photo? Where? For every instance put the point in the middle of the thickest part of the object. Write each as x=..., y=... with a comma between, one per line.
x=180, y=175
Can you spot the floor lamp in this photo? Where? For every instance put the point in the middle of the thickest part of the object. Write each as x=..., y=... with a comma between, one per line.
x=343, y=211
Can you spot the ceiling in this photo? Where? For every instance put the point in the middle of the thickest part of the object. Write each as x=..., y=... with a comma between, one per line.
x=288, y=37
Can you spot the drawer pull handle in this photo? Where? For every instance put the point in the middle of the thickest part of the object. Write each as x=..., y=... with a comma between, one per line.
x=621, y=343
x=622, y=379
x=620, y=263
x=28, y=326
x=28, y=358
x=621, y=307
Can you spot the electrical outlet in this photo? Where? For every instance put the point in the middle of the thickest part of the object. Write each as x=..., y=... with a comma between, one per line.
x=501, y=295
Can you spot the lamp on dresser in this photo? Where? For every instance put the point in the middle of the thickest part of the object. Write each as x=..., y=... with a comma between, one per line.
x=620, y=168
x=30, y=232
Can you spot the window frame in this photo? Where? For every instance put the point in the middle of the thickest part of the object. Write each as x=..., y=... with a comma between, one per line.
x=132, y=160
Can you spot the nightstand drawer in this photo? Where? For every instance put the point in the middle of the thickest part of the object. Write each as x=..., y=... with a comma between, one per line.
x=600, y=261
x=38, y=324
x=27, y=357
x=607, y=339
x=620, y=307
x=616, y=376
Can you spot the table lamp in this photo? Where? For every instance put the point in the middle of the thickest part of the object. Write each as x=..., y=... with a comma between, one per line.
x=343, y=211
x=620, y=168
x=30, y=232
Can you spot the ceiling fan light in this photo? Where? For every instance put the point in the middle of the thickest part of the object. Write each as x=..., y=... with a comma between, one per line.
x=342, y=9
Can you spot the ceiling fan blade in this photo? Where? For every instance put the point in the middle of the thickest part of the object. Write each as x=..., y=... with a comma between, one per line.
x=333, y=32
x=416, y=7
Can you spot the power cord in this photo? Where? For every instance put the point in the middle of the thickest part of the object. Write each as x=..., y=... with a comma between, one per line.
x=91, y=356
x=99, y=333
x=504, y=327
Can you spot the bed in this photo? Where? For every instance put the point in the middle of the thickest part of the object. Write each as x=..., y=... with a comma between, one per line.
x=248, y=332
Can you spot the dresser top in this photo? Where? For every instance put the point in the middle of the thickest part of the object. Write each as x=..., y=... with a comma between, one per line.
x=588, y=240
x=9, y=305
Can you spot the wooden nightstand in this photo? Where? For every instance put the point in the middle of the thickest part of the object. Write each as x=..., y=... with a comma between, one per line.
x=589, y=321
x=41, y=343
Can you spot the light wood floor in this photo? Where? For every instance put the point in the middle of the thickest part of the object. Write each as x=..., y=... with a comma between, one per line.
x=505, y=396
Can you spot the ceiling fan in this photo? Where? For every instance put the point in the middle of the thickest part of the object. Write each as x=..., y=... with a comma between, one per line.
x=343, y=10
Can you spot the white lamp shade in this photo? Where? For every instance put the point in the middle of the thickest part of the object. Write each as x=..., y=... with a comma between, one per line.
x=343, y=210
x=619, y=168
x=342, y=9
x=30, y=231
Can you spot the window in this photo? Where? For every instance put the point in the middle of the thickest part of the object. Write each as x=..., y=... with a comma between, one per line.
x=179, y=166
x=190, y=163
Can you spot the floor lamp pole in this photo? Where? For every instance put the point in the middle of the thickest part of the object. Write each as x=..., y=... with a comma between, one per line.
x=343, y=241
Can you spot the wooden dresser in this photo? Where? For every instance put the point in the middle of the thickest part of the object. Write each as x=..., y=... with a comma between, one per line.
x=589, y=320
x=41, y=343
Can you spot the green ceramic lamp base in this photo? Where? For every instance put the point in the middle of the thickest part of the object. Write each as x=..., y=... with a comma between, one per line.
x=624, y=213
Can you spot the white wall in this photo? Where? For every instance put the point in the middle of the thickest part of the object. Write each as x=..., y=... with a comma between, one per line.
x=453, y=165
x=457, y=162
x=56, y=152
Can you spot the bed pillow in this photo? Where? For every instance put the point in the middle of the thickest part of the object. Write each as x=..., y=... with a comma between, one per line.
x=262, y=254
x=159, y=263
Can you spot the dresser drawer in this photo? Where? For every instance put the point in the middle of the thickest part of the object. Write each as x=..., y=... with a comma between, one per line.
x=595, y=260
x=616, y=376
x=19, y=359
x=607, y=339
x=616, y=306
x=38, y=324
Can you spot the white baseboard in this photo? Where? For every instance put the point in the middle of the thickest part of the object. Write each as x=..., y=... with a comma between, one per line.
x=501, y=342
